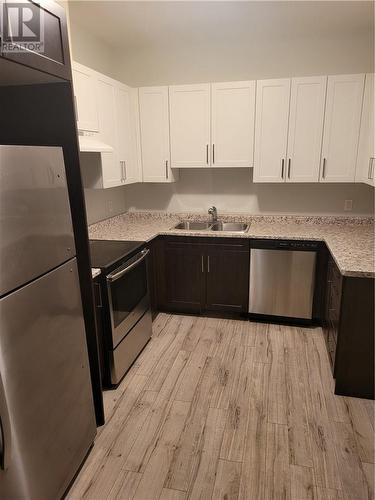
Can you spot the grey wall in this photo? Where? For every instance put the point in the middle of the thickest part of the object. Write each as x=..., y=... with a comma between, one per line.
x=229, y=61
x=232, y=190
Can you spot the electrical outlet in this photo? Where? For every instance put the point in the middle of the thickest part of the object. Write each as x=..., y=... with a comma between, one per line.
x=348, y=205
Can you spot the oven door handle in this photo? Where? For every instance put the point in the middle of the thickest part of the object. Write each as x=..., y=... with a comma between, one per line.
x=115, y=276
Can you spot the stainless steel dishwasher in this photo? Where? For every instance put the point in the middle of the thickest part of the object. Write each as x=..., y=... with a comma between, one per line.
x=282, y=278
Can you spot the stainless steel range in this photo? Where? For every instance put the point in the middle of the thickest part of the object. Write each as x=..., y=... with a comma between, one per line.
x=127, y=323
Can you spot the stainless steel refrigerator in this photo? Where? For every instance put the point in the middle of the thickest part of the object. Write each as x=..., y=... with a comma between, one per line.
x=47, y=420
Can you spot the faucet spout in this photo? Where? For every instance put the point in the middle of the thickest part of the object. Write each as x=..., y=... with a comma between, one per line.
x=213, y=212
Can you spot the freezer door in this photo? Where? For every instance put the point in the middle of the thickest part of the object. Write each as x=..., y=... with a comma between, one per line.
x=47, y=413
x=282, y=283
x=36, y=231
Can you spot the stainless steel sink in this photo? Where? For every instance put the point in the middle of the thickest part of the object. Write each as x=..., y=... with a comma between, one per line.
x=238, y=227
x=193, y=225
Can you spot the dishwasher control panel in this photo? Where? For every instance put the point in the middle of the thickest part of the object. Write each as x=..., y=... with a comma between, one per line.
x=286, y=244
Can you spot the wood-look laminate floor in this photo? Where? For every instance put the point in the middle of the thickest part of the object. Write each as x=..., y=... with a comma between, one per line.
x=225, y=409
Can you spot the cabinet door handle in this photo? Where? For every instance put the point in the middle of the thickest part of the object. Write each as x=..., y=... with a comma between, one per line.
x=76, y=108
x=166, y=168
x=282, y=168
x=207, y=154
x=124, y=164
x=123, y=171
x=289, y=162
x=324, y=168
x=371, y=168
x=213, y=154
x=202, y=264
x=208, y=263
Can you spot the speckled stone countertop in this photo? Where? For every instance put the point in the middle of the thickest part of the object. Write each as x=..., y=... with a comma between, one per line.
x=95, y=272
x=349, y=239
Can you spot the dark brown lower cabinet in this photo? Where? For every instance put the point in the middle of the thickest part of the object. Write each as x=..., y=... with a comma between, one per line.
x=152, y=276
x=332, y=309
x=184, y=277
x=227, y=278
x=348, y=328
x=199, y=274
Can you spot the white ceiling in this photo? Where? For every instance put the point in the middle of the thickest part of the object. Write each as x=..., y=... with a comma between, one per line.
x=138, y=24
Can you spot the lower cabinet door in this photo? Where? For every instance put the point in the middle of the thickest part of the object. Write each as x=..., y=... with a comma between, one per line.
x=184, y=277
x=227, y=278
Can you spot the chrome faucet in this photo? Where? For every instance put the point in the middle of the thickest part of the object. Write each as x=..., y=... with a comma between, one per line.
x=213, y=212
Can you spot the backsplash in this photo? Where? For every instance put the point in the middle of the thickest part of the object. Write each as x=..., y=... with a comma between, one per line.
x=232, y=191
x=104, y=203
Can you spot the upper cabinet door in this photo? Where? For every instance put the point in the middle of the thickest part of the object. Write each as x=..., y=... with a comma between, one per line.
x=341, y=128
x=125, y=137
x=84, y=83
x=154, y=124
x=233, y=119
x=190, y=125
x=305, y=128
x=106, y=95
x=365, y=171
x=271, y=130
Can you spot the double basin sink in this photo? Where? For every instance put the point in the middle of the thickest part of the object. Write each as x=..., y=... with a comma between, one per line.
x=237, y=227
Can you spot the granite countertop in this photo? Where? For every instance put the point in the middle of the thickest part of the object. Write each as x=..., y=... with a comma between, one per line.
x=349, y=239
x=95, y=272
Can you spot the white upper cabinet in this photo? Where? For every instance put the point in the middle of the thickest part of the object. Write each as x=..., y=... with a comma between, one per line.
x=154, y=125
x=190, y=125
x=308, y=129
x=126, y=131
x=84, y=84
x=271, y=130
x=232, y=124
x=341, y=128
x=305, y=128
x=365, y=171
x=107, y=101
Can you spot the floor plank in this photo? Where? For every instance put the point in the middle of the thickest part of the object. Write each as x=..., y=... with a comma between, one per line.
x=202, y=484
x=327, y=494
x=278, y=482
x=363, y=429
x=187, y=453
x=234, y=439
x=168, y=494
x=227, y=484
x=296, y=404
x=353, y=480
x=148, y=436
x=302, y=483
x=253, y=474
x=152, y=482
x=369, y=472
x=219, y=408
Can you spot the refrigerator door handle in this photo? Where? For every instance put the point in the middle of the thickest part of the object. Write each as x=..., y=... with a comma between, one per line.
x=5, y=433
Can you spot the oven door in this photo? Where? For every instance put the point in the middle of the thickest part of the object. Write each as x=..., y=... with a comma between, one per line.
x=128, y=295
